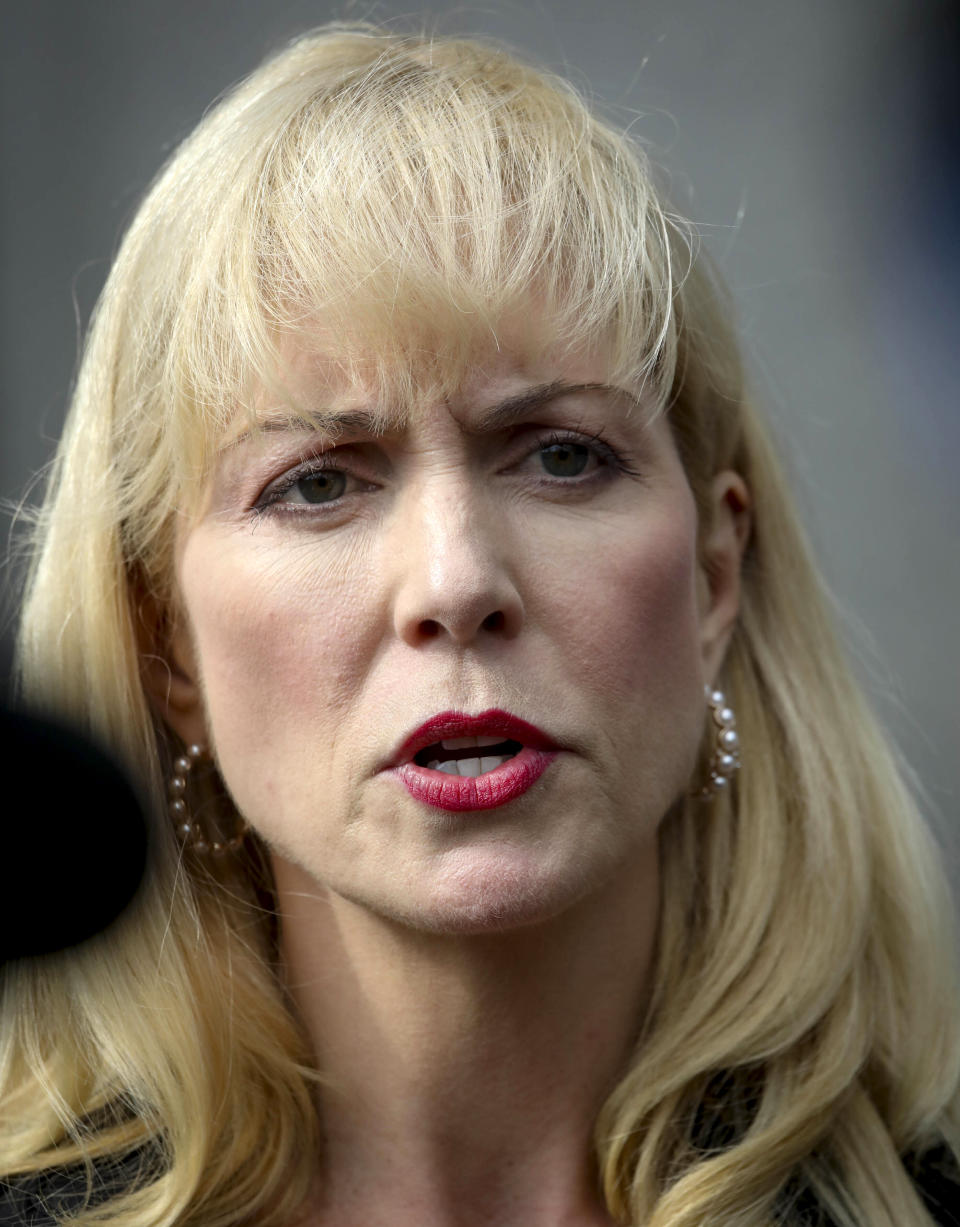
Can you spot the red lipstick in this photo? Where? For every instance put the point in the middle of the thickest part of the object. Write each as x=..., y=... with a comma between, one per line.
x=531, y=756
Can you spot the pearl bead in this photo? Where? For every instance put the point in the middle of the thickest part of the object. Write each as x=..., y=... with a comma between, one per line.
x=720, y=781
x=195, y=751
x=201, y=846
x=184, y=830
x=178, y=807
x=725, y=715
x=718, y=698
x=728, y=762
x=182, y=766
x=178, y=784
x=729, y=738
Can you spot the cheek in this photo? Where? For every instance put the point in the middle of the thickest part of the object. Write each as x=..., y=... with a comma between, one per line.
x=632, y=630
x=631, y=609
x=276, y=639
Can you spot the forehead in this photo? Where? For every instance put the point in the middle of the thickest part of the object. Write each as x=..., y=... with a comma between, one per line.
x=510, y=373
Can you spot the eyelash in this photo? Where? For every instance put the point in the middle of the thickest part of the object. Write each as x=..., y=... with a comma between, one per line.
x=610, y=458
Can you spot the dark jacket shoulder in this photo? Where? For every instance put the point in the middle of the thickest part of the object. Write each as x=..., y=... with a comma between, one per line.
x=936, y=1175
x=36, y=1200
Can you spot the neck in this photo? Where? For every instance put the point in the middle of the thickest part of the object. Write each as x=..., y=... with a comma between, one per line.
x=464, y=1074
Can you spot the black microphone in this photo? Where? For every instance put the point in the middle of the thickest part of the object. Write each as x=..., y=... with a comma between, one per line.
x=73, y=838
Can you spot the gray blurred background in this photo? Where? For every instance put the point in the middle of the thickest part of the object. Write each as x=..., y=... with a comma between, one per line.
x=815, y=142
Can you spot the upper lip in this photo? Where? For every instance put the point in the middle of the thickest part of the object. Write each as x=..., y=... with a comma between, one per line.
x=493, y=722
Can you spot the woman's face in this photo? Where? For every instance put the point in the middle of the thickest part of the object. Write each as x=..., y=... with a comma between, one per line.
x=521, y=549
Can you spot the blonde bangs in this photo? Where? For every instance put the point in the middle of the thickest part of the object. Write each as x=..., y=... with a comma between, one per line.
x=397, y=207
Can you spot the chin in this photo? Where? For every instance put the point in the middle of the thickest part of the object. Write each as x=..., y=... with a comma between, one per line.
x=491, y=895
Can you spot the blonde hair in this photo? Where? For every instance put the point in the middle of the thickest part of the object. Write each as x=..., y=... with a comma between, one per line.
x=406, y=196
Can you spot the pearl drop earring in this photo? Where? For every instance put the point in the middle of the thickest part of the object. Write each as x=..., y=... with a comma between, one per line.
x=189, y=830
x=726, y=754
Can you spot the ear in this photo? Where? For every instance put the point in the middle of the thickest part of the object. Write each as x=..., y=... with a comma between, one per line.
x=724, y=539
x=168, y=669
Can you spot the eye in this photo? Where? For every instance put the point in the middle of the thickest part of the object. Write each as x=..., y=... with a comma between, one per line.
x=313, y=484
x=321, y=487
x=562, y=458
x=566, y=459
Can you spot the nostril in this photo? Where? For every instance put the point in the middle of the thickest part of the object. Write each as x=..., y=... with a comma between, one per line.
x=460, y=626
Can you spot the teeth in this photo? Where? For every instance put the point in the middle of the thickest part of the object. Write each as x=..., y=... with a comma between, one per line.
x=471, y=767
x=468, y=743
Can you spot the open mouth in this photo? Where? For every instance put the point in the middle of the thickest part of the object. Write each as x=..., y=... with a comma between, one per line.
x=463, y=763
x=467, y=756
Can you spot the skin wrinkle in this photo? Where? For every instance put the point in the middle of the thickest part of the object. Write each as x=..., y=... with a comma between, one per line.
x=336, y=423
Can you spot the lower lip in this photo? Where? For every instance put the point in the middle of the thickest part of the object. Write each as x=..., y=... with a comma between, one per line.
x=458, y=792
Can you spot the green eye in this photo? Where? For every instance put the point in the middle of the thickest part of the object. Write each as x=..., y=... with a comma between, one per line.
x=322, y=487
x=565, y=459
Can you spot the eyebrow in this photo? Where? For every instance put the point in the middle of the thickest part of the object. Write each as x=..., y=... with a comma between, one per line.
x=495, y=417
x=508, y=411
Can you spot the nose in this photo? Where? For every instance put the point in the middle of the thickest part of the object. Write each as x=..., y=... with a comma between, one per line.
x=453, y=573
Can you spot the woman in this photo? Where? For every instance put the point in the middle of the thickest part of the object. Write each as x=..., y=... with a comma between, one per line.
x=413, y=538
